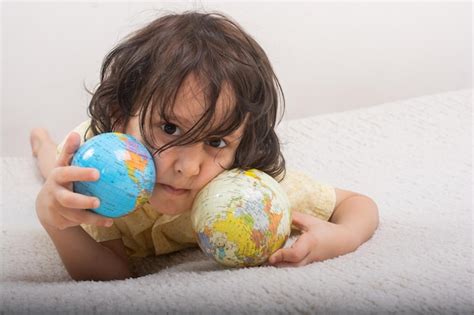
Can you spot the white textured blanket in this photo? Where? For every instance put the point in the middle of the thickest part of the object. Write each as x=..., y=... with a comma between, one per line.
x=412, y=157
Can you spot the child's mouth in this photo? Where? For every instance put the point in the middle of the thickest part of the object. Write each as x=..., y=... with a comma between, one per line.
x=174, y=191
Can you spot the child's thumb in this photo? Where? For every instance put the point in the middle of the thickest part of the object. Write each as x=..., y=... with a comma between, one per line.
x=71, y=144
x=300, y=220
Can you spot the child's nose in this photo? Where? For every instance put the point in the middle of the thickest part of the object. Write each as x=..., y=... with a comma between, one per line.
x=189, y=159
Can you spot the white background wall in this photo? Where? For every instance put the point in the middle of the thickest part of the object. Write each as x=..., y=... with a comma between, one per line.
x=329, y=56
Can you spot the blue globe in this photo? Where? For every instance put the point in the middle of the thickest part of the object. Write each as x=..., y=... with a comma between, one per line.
x=127, y=173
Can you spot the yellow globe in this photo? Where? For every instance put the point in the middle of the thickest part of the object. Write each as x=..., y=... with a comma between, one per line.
x=241, y=217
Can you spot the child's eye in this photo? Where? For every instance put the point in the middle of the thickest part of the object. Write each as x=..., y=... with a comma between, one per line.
x=217, y=143
x=171, y=129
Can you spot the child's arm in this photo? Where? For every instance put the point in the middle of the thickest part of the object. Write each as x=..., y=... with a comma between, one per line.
x=353, y=222
x=60, y=211
x=84, y=258
x=358, y=213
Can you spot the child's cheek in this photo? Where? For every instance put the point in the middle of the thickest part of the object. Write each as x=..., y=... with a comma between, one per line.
x=224, y=159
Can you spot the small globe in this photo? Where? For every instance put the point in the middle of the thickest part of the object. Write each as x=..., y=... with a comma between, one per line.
x=241, y=217
x=127, y=173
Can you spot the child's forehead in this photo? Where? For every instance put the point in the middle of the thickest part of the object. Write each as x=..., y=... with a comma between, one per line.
x=188, y=119
x=190, y=103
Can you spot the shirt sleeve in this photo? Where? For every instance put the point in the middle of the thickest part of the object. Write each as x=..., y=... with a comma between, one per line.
x=102, y=233
x=309, y=196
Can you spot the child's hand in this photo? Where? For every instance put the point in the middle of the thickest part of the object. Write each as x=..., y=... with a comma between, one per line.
x=319, y=240
x=56, y=204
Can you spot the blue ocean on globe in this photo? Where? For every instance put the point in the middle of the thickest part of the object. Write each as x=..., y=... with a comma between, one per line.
x=127, y=173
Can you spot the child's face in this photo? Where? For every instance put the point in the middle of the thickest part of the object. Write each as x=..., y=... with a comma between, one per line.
x=182, y=171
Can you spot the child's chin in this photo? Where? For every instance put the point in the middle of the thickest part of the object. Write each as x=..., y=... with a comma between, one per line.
x=170, y=210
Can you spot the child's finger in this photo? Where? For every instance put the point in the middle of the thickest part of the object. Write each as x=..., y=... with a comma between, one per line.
x=65, y=175
x=69, y=199
x=71, y=144
x=300, y=220
x=287, y=255
x=296, y=253
x=82, y=216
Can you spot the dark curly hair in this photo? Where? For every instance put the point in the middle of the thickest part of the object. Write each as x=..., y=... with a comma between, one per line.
x=143, y=73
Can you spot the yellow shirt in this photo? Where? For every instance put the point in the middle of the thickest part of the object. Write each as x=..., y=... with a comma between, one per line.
x=146, y=232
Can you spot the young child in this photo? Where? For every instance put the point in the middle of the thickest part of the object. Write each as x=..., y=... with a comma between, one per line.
x=201, y=94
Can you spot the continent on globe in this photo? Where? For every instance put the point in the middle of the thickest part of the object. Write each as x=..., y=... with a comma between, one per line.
x=127, y=173
x=241, y=217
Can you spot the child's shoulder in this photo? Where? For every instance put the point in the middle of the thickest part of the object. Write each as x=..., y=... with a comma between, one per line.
x=81, y=129
x=293, y=174
x=298, y=182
